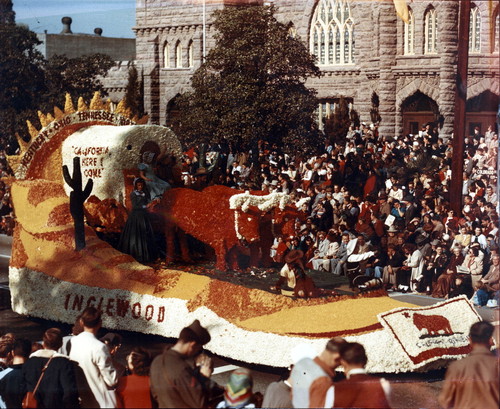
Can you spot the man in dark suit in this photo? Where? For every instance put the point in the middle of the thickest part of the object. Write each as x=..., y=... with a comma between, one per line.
x=412, y=210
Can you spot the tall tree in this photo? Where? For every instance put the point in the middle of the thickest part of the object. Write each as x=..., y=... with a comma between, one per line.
x=252, y=85
x=22, y=78
x=337, y=125
x=134, y=97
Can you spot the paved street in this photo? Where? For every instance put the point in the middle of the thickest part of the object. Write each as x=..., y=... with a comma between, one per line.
x=408, y=390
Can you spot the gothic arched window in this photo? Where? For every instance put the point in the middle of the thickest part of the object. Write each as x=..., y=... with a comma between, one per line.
x=190, y=55
x=430, y=29
x=332, y=33
x=475, y=30
x=166, y=56
x=178, y=55
x=409, y=38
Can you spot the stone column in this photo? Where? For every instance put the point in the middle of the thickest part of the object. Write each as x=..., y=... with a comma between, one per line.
x=151, y=65
x=399, y=121
x=387, y=79
x=448, y=49
x=365, y=56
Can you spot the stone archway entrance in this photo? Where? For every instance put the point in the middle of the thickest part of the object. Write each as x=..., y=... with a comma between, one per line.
x=481, y=112
x=418, y=110
x=173, y=114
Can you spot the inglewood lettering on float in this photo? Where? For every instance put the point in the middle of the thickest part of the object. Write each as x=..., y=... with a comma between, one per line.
x=115, y=307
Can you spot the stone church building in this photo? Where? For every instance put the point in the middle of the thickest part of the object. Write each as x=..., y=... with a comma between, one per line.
x=367, y=54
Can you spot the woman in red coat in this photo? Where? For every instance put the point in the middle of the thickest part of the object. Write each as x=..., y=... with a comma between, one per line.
x=133, y=391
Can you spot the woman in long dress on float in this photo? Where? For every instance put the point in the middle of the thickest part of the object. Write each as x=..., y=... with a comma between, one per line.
x=137, y=238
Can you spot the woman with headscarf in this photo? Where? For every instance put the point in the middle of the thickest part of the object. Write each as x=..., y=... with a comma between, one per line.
x=137, y=238
x=238, y=391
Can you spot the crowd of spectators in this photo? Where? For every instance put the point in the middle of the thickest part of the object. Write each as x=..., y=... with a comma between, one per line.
x=80, y=370
x=378, y=206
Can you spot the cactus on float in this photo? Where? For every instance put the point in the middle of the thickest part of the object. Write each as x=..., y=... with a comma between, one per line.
x=76, y=199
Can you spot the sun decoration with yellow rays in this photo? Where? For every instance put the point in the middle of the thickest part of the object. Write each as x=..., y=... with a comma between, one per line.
x=97, y=112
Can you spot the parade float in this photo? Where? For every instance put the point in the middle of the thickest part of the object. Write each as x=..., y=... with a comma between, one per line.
x=49, y=279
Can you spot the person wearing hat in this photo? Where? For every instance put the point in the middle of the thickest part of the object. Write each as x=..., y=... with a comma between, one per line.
x=293, y=276
x=411, y=208
x=175, y=383
x=238, y=391
x=384, y=207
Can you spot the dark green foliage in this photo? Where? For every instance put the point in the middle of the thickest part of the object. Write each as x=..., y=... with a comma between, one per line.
x=337, y=124
x=77, y=76
x=7, y=15
x=355, y=118
x=22, y=79
x=76, y=199
x=29, y=83
x=134, y=97
x=252, y=85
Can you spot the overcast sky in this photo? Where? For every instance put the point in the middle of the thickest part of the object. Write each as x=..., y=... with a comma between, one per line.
x=115, y=17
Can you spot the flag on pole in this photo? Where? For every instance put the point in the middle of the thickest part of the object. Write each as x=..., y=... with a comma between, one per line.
x=402, y=10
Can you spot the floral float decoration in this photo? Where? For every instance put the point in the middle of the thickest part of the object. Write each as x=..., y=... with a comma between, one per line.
x=246, y=324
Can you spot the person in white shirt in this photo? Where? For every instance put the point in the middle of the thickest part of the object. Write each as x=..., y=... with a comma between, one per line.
x=93, y=357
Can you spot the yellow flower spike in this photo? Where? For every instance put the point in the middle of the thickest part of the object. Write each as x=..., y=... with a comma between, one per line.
x=50, y=118
x=81, y=105
x=58, y=113
x=122, y=108
x=23, y=145
x=107, y=105
x=31, y=129
x=96, y=102
x=68, y=105
x=43, y=119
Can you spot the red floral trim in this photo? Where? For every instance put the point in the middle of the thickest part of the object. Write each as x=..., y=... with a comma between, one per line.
x=355, y=331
